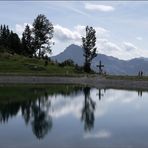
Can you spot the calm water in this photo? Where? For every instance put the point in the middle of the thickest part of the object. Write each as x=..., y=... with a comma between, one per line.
x=72, y=116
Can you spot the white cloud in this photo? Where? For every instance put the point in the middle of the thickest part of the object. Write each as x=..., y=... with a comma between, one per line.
x=19, y=28
x=104, y=8
x=78, y=11
x=101, y=134
x=129, y=46
x=123, y=50
x=139, y=38
x=65, y=34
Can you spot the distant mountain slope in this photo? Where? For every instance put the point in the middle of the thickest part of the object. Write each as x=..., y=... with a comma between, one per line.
x=73, y=52
x=112, y=65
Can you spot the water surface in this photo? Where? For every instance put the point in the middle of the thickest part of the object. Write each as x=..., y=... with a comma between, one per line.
x=72, y=116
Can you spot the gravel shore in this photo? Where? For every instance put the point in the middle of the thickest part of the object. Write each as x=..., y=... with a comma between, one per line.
x=98, y=82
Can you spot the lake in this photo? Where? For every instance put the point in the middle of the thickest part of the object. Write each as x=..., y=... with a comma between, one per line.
x=68, y=116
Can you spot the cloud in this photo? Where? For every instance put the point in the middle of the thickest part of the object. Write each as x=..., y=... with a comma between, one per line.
x=123, y=50
x=139, y=38
x=95, y=7
x=129, y=46
x=78, y=11
x=19, y=28
x=64, y=34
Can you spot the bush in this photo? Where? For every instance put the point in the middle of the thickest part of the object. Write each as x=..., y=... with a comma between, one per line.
x=68, y=62
x=79, y=68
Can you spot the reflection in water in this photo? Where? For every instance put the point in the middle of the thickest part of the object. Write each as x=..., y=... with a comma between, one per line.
x=140, y=93
x=37, y=107
x=88, y=110
x=7, y=111
x=41, y=123
x=100, y=94
x=35, y=111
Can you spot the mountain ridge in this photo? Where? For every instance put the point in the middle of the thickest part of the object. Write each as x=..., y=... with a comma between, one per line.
x=112, y=65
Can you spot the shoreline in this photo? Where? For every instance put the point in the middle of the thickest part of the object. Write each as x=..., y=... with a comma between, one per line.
x=97, y=81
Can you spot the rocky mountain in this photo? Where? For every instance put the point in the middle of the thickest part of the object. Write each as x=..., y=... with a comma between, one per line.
x=112, y=65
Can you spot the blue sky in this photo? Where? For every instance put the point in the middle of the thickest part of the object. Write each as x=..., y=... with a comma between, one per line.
x=122, y=26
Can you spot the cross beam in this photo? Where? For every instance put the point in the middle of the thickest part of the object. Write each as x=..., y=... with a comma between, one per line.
x=100, y=67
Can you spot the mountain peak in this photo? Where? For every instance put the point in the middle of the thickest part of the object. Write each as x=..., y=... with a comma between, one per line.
x=73, y=45
x=111, y=64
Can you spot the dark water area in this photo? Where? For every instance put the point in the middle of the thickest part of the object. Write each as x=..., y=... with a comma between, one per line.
x=68, y=116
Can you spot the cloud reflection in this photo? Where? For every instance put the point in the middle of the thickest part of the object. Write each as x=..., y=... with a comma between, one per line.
x=102, y=134
x=65, y=106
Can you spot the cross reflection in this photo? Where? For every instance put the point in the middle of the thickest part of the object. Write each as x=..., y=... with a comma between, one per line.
x=100, y=94
x=140, y=93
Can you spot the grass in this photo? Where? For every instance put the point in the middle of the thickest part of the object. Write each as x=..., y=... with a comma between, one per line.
x=20, y=65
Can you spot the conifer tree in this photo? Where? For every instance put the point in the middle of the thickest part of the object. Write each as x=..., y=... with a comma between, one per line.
x=27, y=42
x=14, y=43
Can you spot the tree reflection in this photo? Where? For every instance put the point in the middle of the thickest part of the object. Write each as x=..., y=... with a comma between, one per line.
x=41, y=123
x=35, y=111
x=8, y=111
x=88, y=110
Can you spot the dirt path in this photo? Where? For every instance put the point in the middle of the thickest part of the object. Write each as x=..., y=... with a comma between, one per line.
x=98, y=82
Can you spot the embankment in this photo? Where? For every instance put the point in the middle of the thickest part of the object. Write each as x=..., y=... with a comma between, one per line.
x=98, y=82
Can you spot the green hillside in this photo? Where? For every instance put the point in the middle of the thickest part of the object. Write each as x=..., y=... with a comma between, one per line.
x=16, y=64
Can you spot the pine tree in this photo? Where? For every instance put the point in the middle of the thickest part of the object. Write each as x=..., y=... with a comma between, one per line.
x=43, y=33
x=27, y=42
x=14, y=43
x=88, y=45
x=4, y=37
x=1, y=28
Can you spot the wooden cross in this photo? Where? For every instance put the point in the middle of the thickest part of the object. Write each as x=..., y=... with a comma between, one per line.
x=100, y=67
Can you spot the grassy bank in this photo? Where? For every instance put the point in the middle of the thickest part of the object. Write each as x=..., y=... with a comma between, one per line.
x=16, y=65
x=20, y=65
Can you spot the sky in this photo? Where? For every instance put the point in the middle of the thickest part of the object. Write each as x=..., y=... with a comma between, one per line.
x=121, y=26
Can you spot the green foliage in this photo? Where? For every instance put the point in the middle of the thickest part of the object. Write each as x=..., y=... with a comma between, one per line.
x=89, y=42
x=68, y=62
x=43, y=33
x=27, y=42
x=14, y=43
x=9, y=41
x=79, y=69
x=37, y=39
